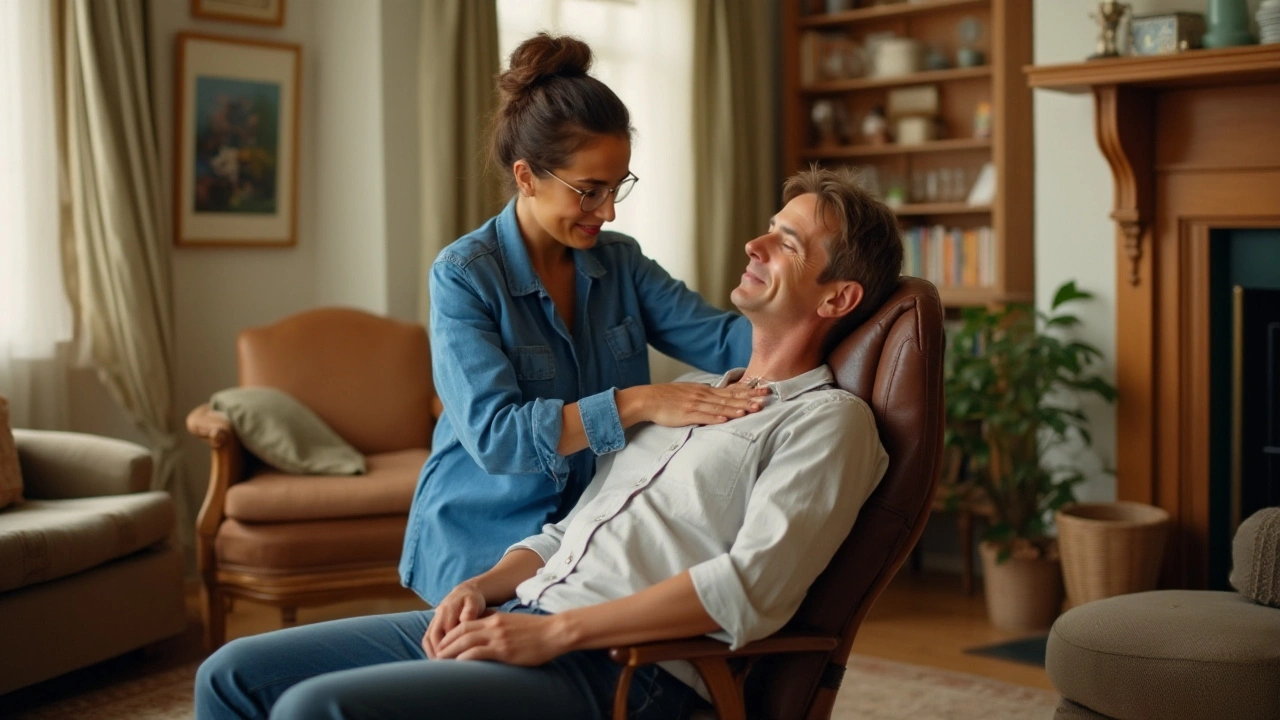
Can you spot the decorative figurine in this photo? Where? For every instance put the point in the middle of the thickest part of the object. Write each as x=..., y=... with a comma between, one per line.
x=875, y=127
x=970, y=32
x=1109, y=16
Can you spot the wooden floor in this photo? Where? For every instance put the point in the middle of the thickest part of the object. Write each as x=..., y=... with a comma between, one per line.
x=922, y=619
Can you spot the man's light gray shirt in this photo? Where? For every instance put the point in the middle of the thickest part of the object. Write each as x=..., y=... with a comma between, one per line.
x=753, y=508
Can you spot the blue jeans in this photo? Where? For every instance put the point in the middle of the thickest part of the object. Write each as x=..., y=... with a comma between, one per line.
x=374, y=667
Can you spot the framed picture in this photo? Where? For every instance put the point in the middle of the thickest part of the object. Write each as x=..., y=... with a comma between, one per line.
x=259, y=12
x=236, y=142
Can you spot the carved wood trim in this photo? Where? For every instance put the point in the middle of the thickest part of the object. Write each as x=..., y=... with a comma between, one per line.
x=1123, y=121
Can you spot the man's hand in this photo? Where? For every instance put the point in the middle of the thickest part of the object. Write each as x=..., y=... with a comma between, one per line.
x=680, y=404
x=512, y=638
x=464, y=603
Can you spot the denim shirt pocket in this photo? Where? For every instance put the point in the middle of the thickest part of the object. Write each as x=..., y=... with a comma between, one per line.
x=627, y=342
x=534, y=363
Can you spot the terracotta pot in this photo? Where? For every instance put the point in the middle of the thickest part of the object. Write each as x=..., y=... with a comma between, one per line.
x=1022, y=595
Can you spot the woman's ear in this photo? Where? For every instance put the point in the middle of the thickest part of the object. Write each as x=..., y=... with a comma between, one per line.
x=844, y=296
x=524, y=177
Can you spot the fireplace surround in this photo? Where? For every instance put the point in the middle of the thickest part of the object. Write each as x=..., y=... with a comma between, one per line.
x=1193, y=142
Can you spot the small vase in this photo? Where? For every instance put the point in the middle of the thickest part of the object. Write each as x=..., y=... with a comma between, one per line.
x=1228, y=24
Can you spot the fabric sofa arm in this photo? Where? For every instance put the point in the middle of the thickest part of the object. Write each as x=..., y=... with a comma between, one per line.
x=60, y=465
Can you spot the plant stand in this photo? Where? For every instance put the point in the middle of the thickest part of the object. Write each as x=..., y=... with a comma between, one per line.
x=1022, y=594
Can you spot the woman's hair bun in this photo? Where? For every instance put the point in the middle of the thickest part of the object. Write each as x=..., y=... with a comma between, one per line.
x=542, y=57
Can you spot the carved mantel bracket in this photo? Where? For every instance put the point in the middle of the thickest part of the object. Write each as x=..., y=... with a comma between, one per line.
x=1123, y=123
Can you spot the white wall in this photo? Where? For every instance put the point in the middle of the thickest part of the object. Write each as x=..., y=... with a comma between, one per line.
x=1075, y=237
x=357, y=240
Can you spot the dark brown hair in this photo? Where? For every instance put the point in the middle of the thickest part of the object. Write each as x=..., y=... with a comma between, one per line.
x=866, y=246
x=549, y=107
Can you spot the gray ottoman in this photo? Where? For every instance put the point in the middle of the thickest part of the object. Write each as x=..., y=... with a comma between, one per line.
x=1185, y=654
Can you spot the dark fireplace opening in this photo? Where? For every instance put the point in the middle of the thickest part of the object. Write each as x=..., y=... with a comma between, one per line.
x=1245, y=390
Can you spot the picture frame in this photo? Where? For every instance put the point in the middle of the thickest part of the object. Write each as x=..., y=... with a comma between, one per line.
x=235, y=148
x=257, y=12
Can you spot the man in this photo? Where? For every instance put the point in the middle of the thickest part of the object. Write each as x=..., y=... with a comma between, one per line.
x=702, y=529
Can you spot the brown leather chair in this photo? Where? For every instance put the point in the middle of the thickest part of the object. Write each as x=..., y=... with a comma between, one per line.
x=894, y=362
x=295, y=541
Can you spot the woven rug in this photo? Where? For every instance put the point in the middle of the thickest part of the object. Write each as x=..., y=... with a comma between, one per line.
x=873, y=689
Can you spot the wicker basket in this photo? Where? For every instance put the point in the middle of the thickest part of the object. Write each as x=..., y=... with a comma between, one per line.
x=1110, y=549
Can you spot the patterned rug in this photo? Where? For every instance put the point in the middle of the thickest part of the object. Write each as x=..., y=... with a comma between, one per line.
x=873, y=689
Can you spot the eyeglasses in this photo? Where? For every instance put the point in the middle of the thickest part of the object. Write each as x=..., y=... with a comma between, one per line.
x=592, y=199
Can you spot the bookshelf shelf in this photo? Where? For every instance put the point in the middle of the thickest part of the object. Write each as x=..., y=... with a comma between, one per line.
x=918, y=209
x=857, y=151
x=918, y=78
x=884, y=12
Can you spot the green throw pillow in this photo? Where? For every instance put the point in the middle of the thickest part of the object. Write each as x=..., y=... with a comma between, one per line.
x=286, y=434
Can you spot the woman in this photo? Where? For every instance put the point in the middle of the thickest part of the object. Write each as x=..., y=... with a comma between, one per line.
x=537, y=317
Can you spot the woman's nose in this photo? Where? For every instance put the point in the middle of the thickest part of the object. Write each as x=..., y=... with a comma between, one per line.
x=606, y=211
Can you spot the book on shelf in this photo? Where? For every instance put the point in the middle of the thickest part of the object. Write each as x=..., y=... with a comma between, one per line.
x=950, y=257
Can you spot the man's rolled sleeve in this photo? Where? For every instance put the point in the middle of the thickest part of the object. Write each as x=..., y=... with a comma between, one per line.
x=724, y=598
x=601, y=423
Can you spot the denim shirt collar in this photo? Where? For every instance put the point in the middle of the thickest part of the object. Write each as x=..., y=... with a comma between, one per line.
x=516, y=265
x=818, y=377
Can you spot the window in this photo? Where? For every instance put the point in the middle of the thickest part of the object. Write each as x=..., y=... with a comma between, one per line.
x=34, y=315
x=643, y=51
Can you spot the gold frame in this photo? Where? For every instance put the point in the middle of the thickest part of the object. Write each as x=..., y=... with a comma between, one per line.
x=210, y=10
x=179, y=128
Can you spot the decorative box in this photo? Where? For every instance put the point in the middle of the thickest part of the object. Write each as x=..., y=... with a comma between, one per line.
x=1167, y=33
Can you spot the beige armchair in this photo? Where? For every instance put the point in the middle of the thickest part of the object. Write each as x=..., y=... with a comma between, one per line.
x=296, y=540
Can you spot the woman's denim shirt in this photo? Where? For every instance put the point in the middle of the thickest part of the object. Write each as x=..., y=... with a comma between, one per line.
x=504, y=365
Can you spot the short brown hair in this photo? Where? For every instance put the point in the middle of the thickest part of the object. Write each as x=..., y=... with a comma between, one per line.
x=866, y=246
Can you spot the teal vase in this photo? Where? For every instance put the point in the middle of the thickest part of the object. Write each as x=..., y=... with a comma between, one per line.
x=1228, y=24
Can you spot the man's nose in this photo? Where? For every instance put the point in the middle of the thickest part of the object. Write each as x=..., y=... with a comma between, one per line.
x=756, y=247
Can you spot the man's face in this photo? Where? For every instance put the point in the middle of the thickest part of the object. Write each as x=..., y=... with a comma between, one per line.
x=784, y=264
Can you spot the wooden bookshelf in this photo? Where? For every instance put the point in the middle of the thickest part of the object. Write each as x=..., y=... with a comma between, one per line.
x=1006, y=45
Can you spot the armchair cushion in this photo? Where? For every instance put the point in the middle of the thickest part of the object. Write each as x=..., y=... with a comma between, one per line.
x=48, y=539
x=10, y=470
x=1255, y=552
x=274, y=496
x=286, y=434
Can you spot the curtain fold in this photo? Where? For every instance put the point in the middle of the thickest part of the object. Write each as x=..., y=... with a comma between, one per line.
x=458, y=64
x=734, y=121
x=115, y=252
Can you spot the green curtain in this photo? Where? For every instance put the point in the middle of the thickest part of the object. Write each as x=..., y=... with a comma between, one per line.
x=458, y=64
x=735, y=143
x=115, y=250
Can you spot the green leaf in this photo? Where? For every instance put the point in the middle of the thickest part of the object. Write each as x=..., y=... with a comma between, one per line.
x=1068, y=292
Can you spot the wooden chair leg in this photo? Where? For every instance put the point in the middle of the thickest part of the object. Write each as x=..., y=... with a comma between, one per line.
x=620, y=694
x=725, y=689
x=213, y=610
x=288, y=616
x=964, y=522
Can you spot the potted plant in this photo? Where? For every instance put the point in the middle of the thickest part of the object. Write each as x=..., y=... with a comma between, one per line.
x=1010, y=380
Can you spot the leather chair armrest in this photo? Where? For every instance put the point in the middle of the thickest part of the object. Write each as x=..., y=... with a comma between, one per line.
x=711, y=658
x=58, y=465
x=226, y=467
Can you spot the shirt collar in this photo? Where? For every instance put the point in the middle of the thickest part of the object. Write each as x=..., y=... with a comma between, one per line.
x=521, y=277
x=818, y=377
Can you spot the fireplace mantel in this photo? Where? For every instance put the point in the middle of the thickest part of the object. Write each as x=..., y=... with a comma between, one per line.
x=1193, y=142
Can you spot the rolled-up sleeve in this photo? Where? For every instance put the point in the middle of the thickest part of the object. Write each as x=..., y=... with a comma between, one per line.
x=822, y=469
x=477, y=383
